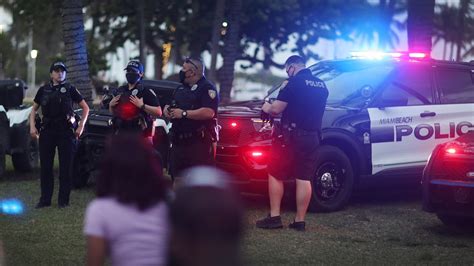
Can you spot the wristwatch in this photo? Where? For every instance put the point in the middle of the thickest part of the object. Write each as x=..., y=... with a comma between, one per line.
x=184, y=114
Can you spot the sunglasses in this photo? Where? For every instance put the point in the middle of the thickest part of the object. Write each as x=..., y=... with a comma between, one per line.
x=190, y=61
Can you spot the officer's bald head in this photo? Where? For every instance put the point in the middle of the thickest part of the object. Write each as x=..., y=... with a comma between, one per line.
x=295, y=60
x=196, y=65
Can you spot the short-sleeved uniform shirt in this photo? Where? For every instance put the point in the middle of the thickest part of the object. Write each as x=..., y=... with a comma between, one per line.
x=56, y=101
x=133, y=237
x=306, y=97
x=202, y=94
x=128, y=112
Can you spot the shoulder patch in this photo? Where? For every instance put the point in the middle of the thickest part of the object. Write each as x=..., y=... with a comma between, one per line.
x=283, y=84
x=212, y=94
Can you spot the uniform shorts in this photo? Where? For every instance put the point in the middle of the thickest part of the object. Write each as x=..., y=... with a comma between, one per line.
x=294, y=159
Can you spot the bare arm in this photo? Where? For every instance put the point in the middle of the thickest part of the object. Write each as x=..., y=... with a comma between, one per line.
x=203, y=113
x=33, y=131
x=96, y=250
x=85, y=115
x=275, y=108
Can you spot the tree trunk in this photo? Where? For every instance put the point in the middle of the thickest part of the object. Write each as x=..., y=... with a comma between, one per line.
x=445, y=46
x=451, y=53
x=420, y=25
x=141, y=30
x=231, y=51
x=75, y=47
x=216, y=33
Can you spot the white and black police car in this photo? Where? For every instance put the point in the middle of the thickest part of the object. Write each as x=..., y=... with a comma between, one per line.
x=385, y=113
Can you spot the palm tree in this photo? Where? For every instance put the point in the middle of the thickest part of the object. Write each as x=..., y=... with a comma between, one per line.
x=420, y=24
x=216, y=33
x=231, y=50
x=75, y=47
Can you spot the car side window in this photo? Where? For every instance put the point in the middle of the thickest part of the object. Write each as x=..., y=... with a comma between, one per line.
x=455, y=85
x=410, y=86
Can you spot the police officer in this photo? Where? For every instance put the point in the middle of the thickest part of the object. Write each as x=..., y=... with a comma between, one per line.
x=193, y=116
x=59, y=128
x=302, y=100
x=133, y=106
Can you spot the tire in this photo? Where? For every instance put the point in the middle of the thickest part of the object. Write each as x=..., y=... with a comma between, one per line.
x=2, y=161
x=161, y=143
x=28, y=160
x=81, y=168
x=333, y=181
x=455, y=221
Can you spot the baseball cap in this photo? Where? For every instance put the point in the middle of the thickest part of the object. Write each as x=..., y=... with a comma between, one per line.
x=135, y=65
x=56, y=65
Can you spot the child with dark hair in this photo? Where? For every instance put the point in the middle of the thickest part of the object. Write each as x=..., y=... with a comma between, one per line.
x=128, y=221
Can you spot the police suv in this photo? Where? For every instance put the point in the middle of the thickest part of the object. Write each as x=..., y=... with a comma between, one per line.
x=385, y=113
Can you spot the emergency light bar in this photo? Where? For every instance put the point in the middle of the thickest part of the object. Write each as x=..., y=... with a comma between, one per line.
x=385, y=55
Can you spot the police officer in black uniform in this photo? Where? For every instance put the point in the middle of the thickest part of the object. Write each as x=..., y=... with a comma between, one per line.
x=302, y=100
x=193, y=116
x=134, y=107
x=60, y=128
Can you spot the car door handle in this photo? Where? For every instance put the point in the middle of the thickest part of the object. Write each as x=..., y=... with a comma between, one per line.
x=426, y=114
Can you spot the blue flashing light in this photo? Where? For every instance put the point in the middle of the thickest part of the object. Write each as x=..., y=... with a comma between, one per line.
x=11, y=207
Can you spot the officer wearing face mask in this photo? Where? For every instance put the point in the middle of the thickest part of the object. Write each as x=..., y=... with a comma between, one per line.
x=133, y=106
x=60, y=128
x=301, y=101
x=193, y=116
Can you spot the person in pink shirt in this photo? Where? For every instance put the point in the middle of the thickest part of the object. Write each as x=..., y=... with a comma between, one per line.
x=128, y=221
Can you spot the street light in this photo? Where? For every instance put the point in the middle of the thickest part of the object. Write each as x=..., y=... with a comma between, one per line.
x=33, y=54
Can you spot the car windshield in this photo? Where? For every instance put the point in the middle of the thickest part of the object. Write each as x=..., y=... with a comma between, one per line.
x=351, y=83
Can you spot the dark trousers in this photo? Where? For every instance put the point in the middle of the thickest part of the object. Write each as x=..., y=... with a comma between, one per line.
x=66, y=144
x=191, y=153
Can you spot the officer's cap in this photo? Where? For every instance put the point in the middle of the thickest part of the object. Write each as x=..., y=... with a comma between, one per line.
x=57, y=65
x=135, y=65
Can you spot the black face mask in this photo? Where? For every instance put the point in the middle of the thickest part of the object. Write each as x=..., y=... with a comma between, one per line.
x=182, y=76
x=132, y=78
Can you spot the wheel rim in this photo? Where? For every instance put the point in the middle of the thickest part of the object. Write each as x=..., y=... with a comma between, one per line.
x=329, y=181
x=33, y=151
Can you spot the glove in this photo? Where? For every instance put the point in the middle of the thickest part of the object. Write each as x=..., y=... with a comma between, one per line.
x=265, y=117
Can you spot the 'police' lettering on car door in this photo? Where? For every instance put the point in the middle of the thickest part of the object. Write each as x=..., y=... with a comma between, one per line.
x=420, y=132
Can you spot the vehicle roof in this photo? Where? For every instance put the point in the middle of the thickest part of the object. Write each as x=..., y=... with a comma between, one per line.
x=12, y=81
x=160, y=84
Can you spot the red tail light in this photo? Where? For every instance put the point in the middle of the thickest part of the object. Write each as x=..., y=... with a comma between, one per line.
x=451, y=150
x=257, y=155
x=233, y=124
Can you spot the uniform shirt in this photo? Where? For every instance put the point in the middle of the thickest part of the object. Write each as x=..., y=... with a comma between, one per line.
x=133, y=237
x=57, y=101
x=127, y=111
x=306, y=96
x=202, y=94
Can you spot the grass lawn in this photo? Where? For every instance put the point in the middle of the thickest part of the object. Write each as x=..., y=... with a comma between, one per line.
x=385, y=227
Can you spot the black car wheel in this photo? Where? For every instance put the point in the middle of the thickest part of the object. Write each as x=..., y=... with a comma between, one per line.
x=2, y=161
x=81, y=167
x=29, y=159
x=333, y=181
x=455, y=221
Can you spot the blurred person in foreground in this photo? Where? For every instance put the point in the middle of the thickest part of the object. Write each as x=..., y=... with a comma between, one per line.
x=193, y=116
x=59, y=128
x=206, y=220
x=301, y=101
x=128, y=221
